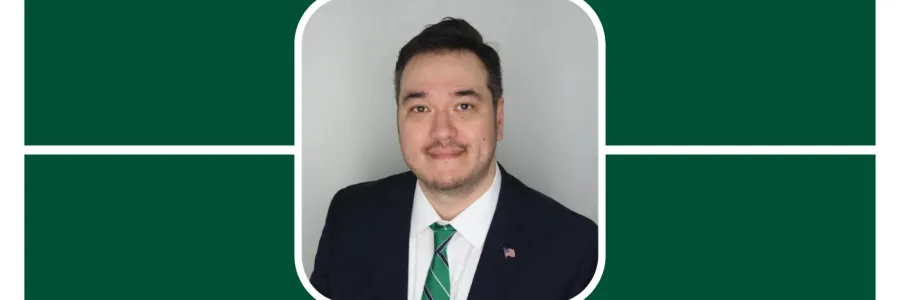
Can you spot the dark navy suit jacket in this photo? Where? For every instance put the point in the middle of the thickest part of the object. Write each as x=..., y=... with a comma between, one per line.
x=364, y=248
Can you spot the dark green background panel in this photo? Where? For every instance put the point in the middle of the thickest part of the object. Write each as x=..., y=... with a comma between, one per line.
x=160, y=227
x=739, y=227
x=769, y=72
x=168, y=72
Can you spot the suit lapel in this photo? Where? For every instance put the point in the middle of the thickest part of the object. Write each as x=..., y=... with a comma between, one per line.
x=496, y=271
x=391, y=255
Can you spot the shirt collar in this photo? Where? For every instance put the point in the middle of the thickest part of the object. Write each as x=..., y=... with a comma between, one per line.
x=472, y=223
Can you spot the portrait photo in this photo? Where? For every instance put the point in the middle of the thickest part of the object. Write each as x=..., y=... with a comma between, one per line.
x=449, y=149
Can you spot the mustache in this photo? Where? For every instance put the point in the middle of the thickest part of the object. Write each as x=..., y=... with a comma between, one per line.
x=438, y=145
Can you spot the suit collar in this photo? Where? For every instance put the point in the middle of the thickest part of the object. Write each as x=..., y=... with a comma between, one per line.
x=393, y=226
x=495, y=269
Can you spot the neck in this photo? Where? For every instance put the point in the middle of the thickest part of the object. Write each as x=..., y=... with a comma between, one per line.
x=449, y=204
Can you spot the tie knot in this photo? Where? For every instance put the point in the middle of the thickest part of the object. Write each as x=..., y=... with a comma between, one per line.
x=438, y=227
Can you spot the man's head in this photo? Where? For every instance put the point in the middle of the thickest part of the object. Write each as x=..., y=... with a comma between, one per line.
x=449, y=105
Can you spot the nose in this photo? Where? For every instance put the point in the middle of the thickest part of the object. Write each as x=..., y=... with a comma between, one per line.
x=442, y=128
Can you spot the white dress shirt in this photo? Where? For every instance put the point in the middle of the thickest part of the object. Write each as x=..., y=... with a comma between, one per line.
x=464, y=249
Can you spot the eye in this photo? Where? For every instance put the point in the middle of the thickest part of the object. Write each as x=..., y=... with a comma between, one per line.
x=418, y=109
x=465, y=106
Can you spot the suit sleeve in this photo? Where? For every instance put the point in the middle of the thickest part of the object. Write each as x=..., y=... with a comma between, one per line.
x=587, y=265
x=321, y=274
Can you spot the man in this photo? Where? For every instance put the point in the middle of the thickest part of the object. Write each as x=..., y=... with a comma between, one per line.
x=458, y=225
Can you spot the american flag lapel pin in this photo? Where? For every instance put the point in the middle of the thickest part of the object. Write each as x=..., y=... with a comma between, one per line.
x=509, y=253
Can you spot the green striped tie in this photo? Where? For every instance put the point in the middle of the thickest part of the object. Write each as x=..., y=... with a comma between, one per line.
x=437, y=283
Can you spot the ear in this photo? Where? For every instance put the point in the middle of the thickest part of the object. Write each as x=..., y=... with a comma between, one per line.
x=499, y=119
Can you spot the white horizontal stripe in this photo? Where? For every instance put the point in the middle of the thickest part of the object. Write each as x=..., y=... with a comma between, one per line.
x=729, y=150
x=291, y=150
x=112, y=150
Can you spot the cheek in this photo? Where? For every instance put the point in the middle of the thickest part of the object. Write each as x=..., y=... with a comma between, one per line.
x=486, y=145
x=478, y=136
x=412, y=138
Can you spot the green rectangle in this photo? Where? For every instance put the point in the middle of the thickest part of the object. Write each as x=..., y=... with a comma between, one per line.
x=739, y=73
x=160, y=227
x=160, y=72
x=740, y=227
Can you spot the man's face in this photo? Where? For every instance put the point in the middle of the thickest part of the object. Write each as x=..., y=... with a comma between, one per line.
x=448, y=127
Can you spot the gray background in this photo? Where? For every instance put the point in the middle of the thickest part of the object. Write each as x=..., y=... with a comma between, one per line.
x=548, y=51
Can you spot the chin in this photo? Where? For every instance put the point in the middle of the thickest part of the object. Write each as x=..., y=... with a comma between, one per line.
x=445, y=183
x=445, y=176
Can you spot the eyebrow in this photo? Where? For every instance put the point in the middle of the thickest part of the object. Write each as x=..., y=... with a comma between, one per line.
x=460, y=93
x=468, y=92
x=412, y=95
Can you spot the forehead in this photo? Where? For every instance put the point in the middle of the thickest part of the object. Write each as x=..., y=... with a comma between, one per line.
x=445, y=69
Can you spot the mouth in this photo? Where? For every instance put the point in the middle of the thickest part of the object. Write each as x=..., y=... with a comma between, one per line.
x=445, y=153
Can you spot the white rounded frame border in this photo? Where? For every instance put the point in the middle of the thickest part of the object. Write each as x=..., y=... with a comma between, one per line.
x=298, y=146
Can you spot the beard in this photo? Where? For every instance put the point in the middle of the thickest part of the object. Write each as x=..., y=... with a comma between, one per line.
x=459, y=185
